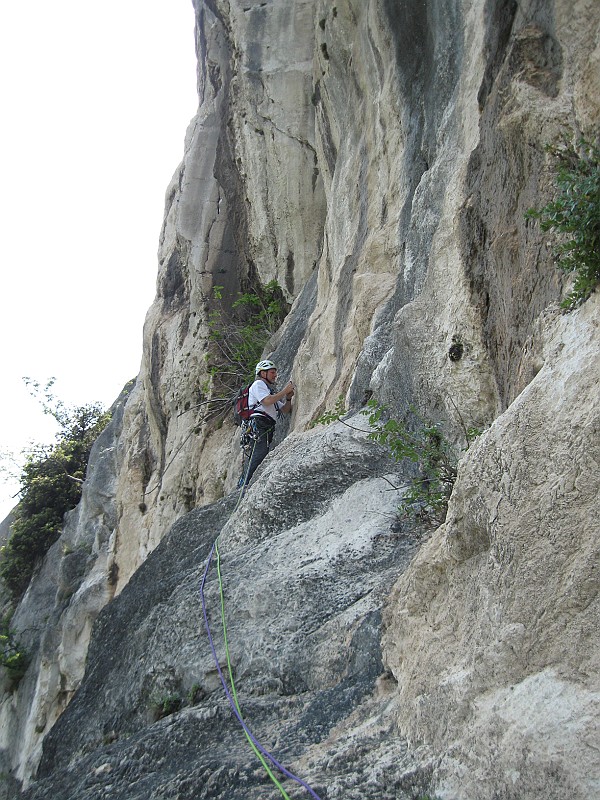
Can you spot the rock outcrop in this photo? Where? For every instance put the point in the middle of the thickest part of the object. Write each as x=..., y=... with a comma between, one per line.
x=376, y=158
x=502, y=604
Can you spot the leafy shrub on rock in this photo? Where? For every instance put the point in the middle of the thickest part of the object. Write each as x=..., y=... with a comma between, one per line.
x=574, y=215
x=51, y=482
x=12, y=656
x=422, y=444
x=237, y=336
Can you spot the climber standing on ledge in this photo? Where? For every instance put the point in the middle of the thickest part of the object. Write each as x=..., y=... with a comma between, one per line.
x=267, y=405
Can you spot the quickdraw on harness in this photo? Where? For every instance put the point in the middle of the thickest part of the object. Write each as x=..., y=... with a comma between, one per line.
x=248, y=436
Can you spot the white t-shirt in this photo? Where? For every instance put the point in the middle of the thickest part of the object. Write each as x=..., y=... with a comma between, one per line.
x=258, y=391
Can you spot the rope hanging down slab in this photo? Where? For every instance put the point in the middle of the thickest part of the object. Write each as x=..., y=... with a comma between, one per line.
x=231, y=695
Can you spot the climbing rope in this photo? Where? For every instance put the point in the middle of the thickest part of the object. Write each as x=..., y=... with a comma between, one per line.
x=231, y=695
x=232, y=682
x=262, y=754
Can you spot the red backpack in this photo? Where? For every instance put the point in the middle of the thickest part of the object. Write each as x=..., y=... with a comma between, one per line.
x=241, y=409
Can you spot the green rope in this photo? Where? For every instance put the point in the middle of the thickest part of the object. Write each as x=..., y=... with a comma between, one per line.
x=230, y=671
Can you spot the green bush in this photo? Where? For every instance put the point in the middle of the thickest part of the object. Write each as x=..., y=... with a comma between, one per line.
x=574, y=215
x=237, y=336
x=51, y=482
x=420, y=442
x=195, y=695
x=424, y=445
x=12, y=657
x=164, y=705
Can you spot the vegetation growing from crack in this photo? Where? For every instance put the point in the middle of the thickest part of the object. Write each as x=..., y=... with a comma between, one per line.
x=574, y=217
x=422, y=444
x=165, y=705
x=51, y=482
x=237, y=337
x=12, y=656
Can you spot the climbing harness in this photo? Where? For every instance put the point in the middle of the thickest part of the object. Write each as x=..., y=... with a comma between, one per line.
x=263, y=755
x=248, y=436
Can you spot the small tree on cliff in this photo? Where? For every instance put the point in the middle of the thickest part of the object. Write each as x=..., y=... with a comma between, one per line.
x=573, y=217
x=238, y=333
x=51, y=481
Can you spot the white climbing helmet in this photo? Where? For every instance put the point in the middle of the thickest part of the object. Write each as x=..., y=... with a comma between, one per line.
x=262, y=366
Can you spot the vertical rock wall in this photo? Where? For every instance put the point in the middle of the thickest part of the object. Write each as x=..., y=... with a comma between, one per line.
x=55, y=617
x=246, y=204
x=491, y=632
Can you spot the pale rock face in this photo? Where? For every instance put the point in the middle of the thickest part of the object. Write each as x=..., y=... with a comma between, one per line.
x=246, y=202
x=502, y=603
x=55, y=617
x=274, y=131
x=376, y=158
x=298, y=623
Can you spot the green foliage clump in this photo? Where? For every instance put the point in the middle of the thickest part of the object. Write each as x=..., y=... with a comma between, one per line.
x=238, y=336
x=423, y=444
x=574, y=214
x=339, y=411
x=195, y=694
x=12, y=657
x=51, y=482
x=165, y=705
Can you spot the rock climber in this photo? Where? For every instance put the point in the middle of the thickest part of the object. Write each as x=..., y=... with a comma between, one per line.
x=267, y=405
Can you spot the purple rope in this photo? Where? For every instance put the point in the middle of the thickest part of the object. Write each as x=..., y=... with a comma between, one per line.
x=257, y=744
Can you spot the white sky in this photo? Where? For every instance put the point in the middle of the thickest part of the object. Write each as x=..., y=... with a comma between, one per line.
x=95, y=101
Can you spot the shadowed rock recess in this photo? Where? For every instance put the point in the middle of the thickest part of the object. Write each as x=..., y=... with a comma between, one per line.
x=376, y=158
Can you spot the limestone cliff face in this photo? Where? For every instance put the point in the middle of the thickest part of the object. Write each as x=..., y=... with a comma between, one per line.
x=377, y=159
x=247, y=203
x=502, y=603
